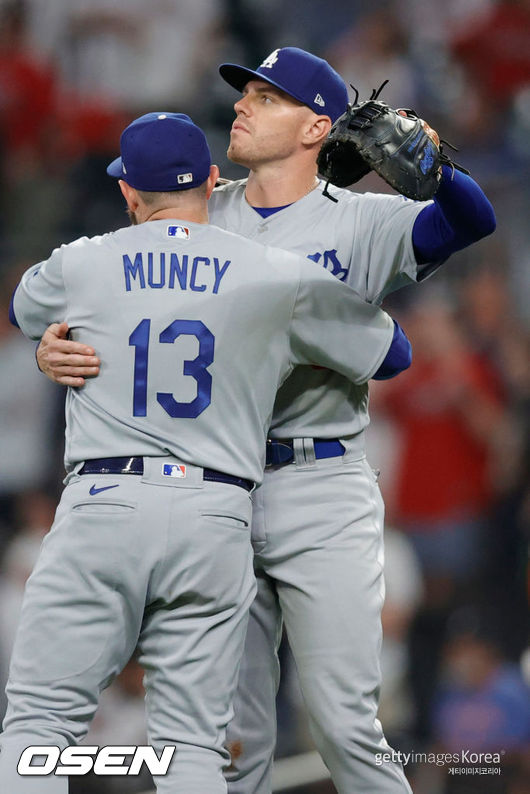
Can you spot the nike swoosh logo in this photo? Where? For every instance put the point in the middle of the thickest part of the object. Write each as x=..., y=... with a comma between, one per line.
x=93, y=491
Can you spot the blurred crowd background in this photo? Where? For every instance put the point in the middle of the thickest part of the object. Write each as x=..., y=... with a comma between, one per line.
x=450, y=436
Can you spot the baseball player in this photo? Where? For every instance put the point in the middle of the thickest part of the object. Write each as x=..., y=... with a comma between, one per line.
x=318, y=517
x=151, y=543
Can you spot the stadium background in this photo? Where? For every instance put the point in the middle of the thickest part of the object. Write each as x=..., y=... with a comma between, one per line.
x=450, y=436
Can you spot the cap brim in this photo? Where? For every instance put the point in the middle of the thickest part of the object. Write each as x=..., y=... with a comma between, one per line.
x=239, y=76
x=115, y=168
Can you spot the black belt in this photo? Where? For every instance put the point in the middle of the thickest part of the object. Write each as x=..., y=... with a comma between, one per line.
x=279, y=452
x=136, y=466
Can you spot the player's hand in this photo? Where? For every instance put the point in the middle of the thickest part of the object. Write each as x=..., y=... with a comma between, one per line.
x=64, y=361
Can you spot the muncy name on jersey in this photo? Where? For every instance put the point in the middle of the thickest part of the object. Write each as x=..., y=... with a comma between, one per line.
x=159, y=270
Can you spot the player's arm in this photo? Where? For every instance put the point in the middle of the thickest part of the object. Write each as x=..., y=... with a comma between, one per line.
x=38, y=308
x=68, y=363
x=334, y=328
x=399, y=356
x=64, y=361
x=459, y=215
x=40, y=297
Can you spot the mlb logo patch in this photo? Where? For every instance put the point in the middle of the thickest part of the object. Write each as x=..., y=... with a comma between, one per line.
x=182, y=232
x=183, y=179
x=174, y=470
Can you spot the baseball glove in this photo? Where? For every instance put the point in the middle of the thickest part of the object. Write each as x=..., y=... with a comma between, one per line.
x=396, y=144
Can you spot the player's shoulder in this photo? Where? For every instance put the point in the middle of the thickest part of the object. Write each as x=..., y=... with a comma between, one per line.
x=70, y=251
x=83, y=242
x=339, y=199
x=228, y=190
x=333, y=195
x=230, y=186
x=256, y=251
x=328, y=204
x=134, y=233
x=87, y=249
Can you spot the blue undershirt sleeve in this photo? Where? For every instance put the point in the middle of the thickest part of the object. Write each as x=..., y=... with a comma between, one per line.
x=12, y=315
x=398, y=358
x=459, y=215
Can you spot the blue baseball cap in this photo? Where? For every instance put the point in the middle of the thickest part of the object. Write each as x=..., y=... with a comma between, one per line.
x=300, y=74
x=162, y=152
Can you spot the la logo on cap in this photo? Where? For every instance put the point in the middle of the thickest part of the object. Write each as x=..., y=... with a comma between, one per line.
x=270, y=60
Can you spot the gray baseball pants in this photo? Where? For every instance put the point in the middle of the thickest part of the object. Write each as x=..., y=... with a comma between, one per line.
x=159, y=563
x=318, y=538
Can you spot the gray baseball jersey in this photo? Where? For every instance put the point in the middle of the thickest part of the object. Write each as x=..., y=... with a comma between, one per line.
x=205, y=325
x=364, y=241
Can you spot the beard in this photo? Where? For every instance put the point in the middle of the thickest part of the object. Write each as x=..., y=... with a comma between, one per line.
x=132, y=218
x=235, y=155
x=244, y=150
x=252, y=153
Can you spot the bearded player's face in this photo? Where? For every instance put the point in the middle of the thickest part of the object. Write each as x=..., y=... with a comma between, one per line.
x=268, y=125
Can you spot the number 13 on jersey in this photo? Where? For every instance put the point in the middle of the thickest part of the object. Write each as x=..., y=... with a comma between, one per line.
x=196, y=368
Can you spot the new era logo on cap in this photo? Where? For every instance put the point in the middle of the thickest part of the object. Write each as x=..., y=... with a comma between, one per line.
x=300, y=74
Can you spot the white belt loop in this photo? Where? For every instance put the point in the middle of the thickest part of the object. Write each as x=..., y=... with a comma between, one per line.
x=304, y=452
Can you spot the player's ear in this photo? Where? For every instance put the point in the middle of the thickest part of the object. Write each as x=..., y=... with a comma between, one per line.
x=129, y=194
x=212, y=179
x=317, y=130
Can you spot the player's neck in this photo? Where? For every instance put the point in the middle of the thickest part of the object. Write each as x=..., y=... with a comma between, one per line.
x=278, y=186
x=194, y=214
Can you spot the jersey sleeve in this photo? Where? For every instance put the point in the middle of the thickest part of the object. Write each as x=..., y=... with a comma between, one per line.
x=333, y=327
x=383, y=243
x=40, y=298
